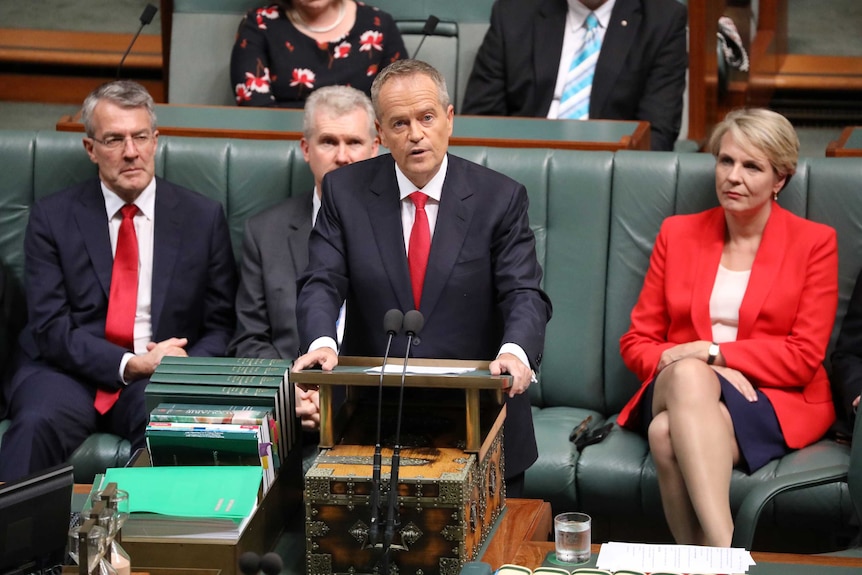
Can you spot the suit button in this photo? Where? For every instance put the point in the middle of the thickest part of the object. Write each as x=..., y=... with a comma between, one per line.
x=417, y=340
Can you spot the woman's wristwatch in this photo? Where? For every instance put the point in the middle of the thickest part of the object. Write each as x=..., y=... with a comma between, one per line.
x=713, y=353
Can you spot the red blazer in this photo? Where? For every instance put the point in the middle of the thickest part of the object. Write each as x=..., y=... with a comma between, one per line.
x=785, y=319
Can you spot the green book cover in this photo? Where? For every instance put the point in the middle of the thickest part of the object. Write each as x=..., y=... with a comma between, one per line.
x=229, y=361
x=190, y=491
x=199, y=445
x=220, y=369
x=207, y=413
x=279, y=400
x=218, y=379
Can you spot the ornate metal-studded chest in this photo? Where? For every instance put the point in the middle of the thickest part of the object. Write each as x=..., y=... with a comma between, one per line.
x=448, y=500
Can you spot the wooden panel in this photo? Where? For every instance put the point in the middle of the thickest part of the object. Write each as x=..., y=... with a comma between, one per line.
x=88, y=49
x=703, y=18
x=524, y=520
x=62, y=89
x=848, y=144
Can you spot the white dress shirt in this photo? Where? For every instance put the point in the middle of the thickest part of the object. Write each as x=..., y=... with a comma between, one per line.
x=144, y=230
x=434, y=190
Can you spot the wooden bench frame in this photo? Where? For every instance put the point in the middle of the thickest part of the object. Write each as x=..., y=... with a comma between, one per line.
x=64, y=66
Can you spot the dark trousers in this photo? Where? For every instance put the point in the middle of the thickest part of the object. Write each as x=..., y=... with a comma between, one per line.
x=52, y=414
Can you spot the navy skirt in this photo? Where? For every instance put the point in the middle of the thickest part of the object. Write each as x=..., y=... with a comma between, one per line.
x=754, y=424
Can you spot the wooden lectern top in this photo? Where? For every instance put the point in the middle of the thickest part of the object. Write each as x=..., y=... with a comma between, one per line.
x=352, y=372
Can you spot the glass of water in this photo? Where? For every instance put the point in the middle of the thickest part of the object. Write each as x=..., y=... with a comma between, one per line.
x=572, y=537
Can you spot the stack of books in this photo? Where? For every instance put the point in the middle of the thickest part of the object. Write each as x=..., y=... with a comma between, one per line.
x=203, y=503
x=221, y=411
x=225, y=383
x=201, y=434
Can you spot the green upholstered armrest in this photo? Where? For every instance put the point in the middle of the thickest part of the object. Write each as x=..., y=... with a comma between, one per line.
x=749, y=512
x=97, y=453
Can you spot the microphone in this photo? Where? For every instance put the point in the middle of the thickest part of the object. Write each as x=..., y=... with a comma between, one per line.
x=249, y=563
x=271, y=563
x=413, y=322
x=427, y=30
x=392, y=321
x=146, y=18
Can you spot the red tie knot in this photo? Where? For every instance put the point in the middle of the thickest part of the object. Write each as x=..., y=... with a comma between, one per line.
x=129, y=211
x=419, y=200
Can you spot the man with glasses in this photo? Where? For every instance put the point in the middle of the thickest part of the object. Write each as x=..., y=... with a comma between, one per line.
x=120, y=271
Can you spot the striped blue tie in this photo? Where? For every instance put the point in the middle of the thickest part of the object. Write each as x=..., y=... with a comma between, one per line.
x=575, y=101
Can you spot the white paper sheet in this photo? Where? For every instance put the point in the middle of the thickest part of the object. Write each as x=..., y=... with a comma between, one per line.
x=678, y=558
x=392, y=368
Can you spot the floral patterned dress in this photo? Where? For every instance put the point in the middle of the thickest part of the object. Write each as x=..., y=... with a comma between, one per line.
x=274, y=64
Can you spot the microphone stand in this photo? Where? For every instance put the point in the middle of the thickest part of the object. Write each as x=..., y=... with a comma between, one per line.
x=392, y=322
x=146, y=18
x=413, y=321
x=427, y=30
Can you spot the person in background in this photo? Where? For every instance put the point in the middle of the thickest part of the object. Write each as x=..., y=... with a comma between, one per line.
x=120, y=271
x=286, y=50
x=847, y=363
x=580, y=59
x=338, y=130
x=461, y=251
x=730, y=331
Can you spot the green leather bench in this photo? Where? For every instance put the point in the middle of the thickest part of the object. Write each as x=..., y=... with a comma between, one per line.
x=595, y=215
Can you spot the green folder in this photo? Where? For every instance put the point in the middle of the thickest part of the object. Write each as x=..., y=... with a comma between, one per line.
x=201, y=491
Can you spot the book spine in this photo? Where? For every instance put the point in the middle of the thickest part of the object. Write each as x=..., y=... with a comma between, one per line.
x=209, y=414
x=230, y=361
x=157, y=393
x=194, y=407
x=220, y=369
x=218, y=379
x=190, y=447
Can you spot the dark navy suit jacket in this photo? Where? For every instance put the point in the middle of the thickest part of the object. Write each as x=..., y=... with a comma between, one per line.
x=640, y=74
x=68, y=277
x=481, y=286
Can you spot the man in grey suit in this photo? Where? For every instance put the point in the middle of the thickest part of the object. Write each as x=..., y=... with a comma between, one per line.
x=338, y=130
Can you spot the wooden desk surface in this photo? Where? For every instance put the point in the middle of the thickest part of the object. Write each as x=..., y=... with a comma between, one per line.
x=532, y=553
x=525, y=520
x=848, y=144
x=504, y=132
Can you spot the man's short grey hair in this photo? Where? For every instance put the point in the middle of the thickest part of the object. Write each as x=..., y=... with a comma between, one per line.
x=404, y=69
x=336, y=101
x=123, y=93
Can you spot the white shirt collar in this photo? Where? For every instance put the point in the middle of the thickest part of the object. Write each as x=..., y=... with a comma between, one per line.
x=315, y=206
x=578, y=13
x=146, y=201
x=433, y=189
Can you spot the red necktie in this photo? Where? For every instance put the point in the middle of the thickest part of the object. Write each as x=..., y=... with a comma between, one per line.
x=420, y=246
x=123, y=299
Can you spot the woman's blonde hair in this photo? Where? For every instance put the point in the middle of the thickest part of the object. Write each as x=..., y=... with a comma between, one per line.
x=764, y=130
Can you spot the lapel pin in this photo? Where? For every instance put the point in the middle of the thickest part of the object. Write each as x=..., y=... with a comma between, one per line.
x=625, y=23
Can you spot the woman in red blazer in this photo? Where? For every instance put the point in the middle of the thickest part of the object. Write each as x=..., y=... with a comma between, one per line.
x=730, y=331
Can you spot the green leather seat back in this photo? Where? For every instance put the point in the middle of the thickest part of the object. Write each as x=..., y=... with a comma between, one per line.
x=570, y=195
x=35, y=164
x=246, y=176
x=835, y=189
x=202, y=37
